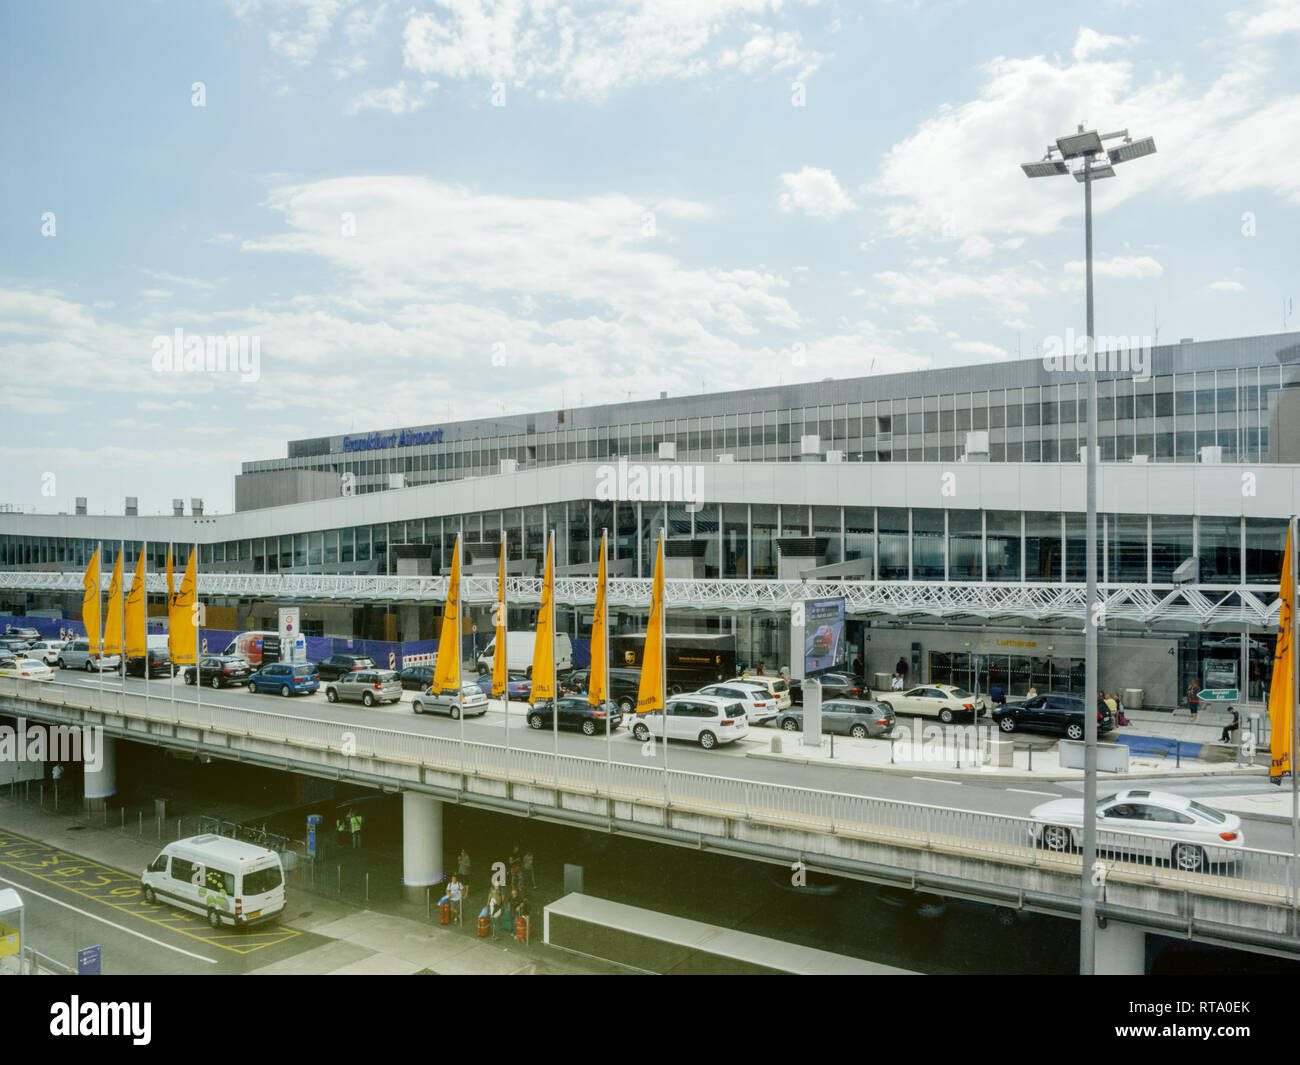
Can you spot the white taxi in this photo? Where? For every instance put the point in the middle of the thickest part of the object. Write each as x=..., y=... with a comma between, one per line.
x=26, y=668
x=944, y=701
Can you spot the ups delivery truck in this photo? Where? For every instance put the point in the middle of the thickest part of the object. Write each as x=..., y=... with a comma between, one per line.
x=694, y=659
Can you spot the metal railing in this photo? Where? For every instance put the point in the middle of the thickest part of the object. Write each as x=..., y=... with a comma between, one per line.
x=1259, y=874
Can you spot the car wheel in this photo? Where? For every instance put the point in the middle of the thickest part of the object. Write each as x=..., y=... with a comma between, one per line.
x=285, y=690
x=332, y=695
x=708, y=740
x=214, y=918
x=945, y=715
x=589, y=728
x=189, y=678
x=149, y=896
x=674, y=689
x=61, y=665
x=858, y=732
x=252, y=687
x=1058, y=838
x=1007, y=724
x=640, y=732
x=1188, y=857
x=1074, y=731
x=455, y=713
x=790, y=725
x=535, y=721
x=90, y=667
x=626, y=706
x=367, y=699
x=216, y=682
x=482, y=670
x=418, y=707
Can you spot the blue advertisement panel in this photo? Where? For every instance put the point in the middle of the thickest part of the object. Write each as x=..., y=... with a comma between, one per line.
x=823, y=635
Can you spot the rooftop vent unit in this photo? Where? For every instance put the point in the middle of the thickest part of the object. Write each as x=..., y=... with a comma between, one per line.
x=81, y=505
x=178, y=508
x=132, y=506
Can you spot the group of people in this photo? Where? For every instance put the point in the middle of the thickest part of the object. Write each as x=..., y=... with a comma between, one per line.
x=505, y=902
x=348, y=824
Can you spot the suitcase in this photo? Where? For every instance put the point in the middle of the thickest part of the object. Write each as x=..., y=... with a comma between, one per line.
x=444, y=913
x=521, y=929
x=484, y=927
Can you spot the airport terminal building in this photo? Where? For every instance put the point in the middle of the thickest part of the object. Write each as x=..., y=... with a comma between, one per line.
x=946, y=506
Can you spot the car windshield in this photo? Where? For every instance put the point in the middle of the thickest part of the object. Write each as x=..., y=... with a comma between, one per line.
x=780, y=686
x=1108, y=798
x=959, y=693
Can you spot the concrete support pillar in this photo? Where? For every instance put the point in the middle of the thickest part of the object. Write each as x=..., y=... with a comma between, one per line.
x=408, y=623
x=1121, y=950
x=421, y=843
x=99, y=754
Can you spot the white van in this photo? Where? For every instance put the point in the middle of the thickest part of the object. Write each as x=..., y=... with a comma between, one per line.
x=227, y=881
x=519, y=653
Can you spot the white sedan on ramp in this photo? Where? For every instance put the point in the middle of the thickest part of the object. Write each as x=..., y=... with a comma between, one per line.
x=1145, y=824
x=944, y=701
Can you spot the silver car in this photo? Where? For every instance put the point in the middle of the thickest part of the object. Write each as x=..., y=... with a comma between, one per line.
x=760, y=703
x=365, y=686
x=849, y=717
x=469, y=701
x=77, y=654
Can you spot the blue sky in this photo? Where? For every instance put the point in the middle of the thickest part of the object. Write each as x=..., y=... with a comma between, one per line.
x=610, y=198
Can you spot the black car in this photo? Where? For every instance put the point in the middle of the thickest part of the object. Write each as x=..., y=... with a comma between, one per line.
x=416, y=678
x=219, y=671
x=624, y=686
x=335, y=666
x=160, y=664
x=576, y=712
x=834, y=686
x=1052, y=712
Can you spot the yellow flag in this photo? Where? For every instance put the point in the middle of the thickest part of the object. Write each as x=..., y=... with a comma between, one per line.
x=180, y=618
x=113, y=620
x=446, y=671
x=650, y=696
x=136, y=644
x=90, y=602
x=598, y=689
x=544, y=644
x=1281, y=691
x=500, y=675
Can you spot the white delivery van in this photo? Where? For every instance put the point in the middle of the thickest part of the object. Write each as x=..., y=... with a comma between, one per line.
x=519, y=653
x=227, y=881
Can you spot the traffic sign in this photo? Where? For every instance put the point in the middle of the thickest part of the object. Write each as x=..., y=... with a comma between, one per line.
x=392, y=660
x=88, y=961
x=1218, y=695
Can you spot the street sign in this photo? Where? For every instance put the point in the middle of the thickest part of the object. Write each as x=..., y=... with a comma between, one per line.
x=1218, y=695
x=88, y=961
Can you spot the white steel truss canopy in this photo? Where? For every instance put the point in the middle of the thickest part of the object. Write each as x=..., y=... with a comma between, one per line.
x=1200, y=606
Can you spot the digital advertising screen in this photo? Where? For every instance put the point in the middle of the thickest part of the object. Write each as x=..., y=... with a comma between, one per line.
x=823, y=635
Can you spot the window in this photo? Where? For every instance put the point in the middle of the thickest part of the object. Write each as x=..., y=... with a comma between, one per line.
x=159, y=864
x=220, y=880
x=182, y=870
x=260, y=881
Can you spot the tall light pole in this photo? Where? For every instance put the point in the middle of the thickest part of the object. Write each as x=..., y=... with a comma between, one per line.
x=1087, y=145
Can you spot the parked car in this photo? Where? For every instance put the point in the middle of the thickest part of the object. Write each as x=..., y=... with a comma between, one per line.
x=624, y=686
x=335, y=666
x=469, y=701
x=943, y=701
x=22, y=632
x=26, y=668
x=518, y=687
x=365, y=686
x=77, y=654
x=835, y=685
x=219, y=671
x=849, y=717
x=415, y=678
x=759, y=703
x=778, y=686
x=1051, y=712
x=287, y=678
x=1155, y=824
x=575, y=712
x=159, y=664
x=47, y=650
x=15, y=645
x=703, y=719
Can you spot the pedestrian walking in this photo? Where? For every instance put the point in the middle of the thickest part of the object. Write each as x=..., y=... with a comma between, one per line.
x=355, y=821
x=516, y=865
x=463, y=867
x=1231, y=727
x=1193, y=701
x=998, y=696
x=900, y=667
x=760, y=670
x=528, y=868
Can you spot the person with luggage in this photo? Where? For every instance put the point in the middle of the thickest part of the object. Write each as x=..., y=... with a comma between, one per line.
x=452, y=899
x=1193, y=701
x=493, y=910
x=516, y=866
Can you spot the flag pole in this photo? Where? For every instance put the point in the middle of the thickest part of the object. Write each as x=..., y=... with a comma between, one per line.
x=121, y=595
x=460, y=614
x=603, y=592
x=198, y=674
x=504, y=649
x=99, y=636
x=663, y=658
x=144, y=607
x=555, y=688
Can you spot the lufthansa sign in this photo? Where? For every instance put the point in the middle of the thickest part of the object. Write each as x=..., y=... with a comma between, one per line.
x=379, y=441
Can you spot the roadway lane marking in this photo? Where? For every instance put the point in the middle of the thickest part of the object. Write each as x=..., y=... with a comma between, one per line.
x=936, y=780
x=1026, y=791
x=23, y=888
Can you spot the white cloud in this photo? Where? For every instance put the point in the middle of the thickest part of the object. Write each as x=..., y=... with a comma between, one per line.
x=1227, y=286
x=1131, y=267
x=1089, y=42
x=979, y=347
x=815, y=192
x=297, y=28
x=398, y=99
x=1277, y=18
x=923, y=323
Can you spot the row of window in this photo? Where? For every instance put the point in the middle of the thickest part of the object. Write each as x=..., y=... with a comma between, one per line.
x=740, y=541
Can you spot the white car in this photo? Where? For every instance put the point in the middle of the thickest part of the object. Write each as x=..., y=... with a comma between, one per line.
x=27, y=668
x=776, y=685
x=760, y=703
x=1147, y=823
x=703, y=719
x=48, y=650
x=944, y=701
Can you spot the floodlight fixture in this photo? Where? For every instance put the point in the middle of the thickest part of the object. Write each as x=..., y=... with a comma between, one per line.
x=1132, y=150
x=1045, y=168
x=1075, y=145
x=1103, y=171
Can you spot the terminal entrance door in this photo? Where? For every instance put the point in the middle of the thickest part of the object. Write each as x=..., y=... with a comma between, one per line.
x=1016, y=674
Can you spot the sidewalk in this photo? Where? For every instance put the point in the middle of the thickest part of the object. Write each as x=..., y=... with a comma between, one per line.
x=390, y=937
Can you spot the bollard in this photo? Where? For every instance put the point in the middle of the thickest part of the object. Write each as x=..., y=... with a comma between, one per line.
x=367, y=887
x=428, y=904
x=340, y=869
x=1031, y=758
x=123, y=818
x=178, y=828
x=832, y=745
x=159, y=829
x=142, y=824
x=42, y=795
x=1178, y=754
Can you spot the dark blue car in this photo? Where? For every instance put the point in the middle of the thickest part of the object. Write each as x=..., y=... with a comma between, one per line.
x=287, y=678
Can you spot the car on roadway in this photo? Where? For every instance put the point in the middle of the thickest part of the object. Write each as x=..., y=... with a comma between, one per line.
x=835, y=685
x=624, y=686
x=77, y=654
x=518, y=687
x=47, y=650
x=286, y=678
x=1145, y=823
x=1053, y=712
x=22, y=632
x=25, y=668
x=365, y=686
x=469, y=700
x=335, y=666
x=760, y=704
x=944, y=701
x=415, y=678
x=159, y=663
x=219, y=671
x=778, y=686
x=575, y=712
x=15, y=645
x=858, y=718
x=703, y=719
